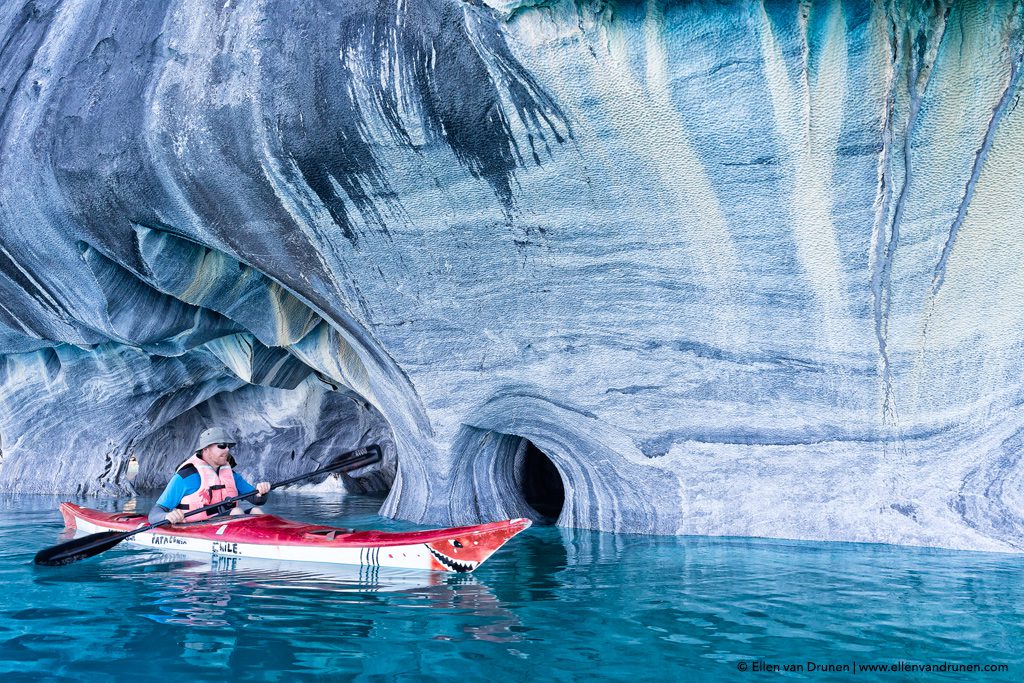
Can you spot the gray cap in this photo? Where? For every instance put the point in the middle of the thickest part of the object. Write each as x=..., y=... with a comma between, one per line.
x=214, y=435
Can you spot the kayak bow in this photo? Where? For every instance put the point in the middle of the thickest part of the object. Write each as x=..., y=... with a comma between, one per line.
x=458, y=549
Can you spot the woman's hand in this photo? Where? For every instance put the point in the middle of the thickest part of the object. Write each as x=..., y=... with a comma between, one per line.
x=176, y=516
x=263, y=488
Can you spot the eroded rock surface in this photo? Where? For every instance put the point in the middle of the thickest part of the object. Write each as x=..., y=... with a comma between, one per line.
x=741, y=268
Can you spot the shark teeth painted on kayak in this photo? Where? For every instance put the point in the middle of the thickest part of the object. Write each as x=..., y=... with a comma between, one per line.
x=451, y=563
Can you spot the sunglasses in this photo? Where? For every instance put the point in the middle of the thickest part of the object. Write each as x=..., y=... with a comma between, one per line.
x=224, y=446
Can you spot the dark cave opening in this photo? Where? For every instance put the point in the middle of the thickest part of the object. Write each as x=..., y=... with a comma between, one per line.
x=541, y=483
x=313, y=424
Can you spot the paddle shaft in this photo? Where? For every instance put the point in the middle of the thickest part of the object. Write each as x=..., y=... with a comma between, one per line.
x=343, y=460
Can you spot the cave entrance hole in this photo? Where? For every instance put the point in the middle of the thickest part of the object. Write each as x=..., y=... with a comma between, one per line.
x=540, y=482
x=315, y=421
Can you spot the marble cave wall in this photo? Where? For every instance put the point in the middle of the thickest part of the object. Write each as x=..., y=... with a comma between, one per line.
x=740, y=268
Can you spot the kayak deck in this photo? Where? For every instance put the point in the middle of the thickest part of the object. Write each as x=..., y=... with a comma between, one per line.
x=456, y=549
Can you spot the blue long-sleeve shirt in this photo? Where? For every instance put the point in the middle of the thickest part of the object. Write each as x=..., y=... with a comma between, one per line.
x=188, y=481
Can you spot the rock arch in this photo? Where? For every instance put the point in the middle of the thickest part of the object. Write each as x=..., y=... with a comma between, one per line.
x=607, y=482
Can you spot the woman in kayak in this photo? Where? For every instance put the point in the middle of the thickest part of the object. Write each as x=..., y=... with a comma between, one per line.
x=206, y=478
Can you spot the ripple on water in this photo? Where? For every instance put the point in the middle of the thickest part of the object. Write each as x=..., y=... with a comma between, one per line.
x=554, y=604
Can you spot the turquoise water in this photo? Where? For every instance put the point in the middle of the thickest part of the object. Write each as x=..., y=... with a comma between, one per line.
x=554, y=605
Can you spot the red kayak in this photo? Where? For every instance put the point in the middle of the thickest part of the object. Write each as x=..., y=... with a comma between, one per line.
x=458, y=549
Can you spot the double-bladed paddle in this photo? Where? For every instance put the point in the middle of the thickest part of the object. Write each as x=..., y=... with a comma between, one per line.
x=80, y=548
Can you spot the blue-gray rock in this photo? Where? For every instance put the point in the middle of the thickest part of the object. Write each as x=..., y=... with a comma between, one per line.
x=714, y=268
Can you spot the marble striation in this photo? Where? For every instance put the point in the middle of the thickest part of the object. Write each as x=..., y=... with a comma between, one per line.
x=731, y=268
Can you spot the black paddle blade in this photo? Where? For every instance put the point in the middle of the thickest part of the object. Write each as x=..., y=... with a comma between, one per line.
x=79, y=548
x=355, y=460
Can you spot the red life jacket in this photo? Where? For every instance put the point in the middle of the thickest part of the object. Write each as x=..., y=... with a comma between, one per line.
x=215, y=485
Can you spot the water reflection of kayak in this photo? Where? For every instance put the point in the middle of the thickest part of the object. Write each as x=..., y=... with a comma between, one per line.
x=255, y=572
x=458, y=549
